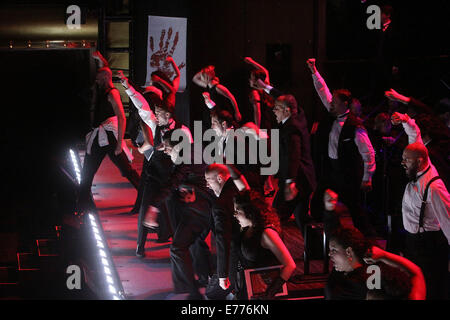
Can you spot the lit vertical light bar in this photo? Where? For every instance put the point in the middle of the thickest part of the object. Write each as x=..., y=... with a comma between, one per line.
x=112, y=283
x=76, y=167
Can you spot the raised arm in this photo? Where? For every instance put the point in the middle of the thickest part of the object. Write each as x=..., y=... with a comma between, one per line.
x=199, y=79
x=176, y=80
x=166, y=85
x=409, y=125
x=255, y=100
x=226, y=93
x=418, y=290
x=144, y=110
x=238, y=178
x=320, y=85
x=255, y=64
x=417, y=105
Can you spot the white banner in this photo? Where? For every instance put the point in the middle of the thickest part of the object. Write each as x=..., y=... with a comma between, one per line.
x=166, y=37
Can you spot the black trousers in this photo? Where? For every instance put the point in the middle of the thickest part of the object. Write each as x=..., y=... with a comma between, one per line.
x=189, y=253
x=349, y=191
x=298, y=206
x=429, y=250
x=93, y=161
x=164, y=231
x=138, y=201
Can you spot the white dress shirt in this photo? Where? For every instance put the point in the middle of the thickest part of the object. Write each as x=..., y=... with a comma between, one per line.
x=361, y=140
x=144, y=110
x=437, y=210
x=110, y=124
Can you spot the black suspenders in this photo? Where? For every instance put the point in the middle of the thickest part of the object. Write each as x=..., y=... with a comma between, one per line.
x=424, y=202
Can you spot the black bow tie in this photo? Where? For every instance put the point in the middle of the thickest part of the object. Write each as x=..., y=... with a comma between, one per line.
x=342, y=115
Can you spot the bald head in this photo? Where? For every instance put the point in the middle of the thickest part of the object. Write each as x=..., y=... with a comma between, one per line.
x=414, y=159
x=417, y=150
x=216, y=175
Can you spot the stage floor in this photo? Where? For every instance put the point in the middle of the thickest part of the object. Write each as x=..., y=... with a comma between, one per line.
x=149, y=278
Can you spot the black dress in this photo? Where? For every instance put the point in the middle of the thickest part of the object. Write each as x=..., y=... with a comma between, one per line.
x=350, y=286
x=252, y=255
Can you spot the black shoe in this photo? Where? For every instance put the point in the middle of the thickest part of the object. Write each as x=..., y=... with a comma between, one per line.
x=201, y=283
x=140, y=252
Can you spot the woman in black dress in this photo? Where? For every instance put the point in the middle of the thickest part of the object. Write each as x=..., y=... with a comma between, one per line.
x=259, y=243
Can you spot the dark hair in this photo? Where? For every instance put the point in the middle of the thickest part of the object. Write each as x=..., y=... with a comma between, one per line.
x=344, y=95
x=162, y=75
x=259, y=74
x=168, y=136
x=223, y=115
x=395, y=284
x=351, y=237
x=210, y=70
x=289, y=101
x=152, y=99
x=257, y=210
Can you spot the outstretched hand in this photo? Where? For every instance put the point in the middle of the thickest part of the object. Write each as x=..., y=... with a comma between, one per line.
x=373, y=255
x=395, y=96
x=311, y=65
x=398, y=118
x=248, y=60
x=123, y=79
x=260, y=85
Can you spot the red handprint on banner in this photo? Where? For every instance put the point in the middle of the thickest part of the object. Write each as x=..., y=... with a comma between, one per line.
x=158, y=59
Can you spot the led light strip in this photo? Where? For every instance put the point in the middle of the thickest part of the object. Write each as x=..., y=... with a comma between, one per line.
x=75, y=165
x=103, y=256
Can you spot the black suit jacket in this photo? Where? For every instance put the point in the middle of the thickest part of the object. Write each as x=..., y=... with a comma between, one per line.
x=295, y=154
x=189, y=175
x=224, y=227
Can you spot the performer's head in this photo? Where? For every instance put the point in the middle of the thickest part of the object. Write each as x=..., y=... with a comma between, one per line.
x=208, y=74
x=103, y=77
x=414, y=159
x=348, y=247
x=216, y=175
x=285, y=106
x=221, y=120
x=164, y=112
x=341, y=101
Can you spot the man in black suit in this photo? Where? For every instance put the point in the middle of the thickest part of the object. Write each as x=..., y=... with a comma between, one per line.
x=296, y=176
x=224, y=226
x=233, y=144
x=158, y=171
x=346, y=151
x=189, y=204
